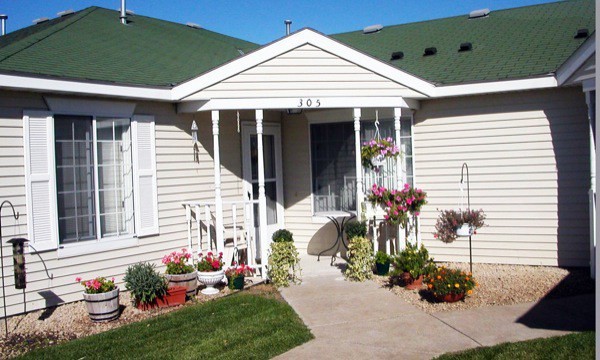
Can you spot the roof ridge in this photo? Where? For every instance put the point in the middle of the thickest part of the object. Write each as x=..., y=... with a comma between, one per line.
x=76, y=17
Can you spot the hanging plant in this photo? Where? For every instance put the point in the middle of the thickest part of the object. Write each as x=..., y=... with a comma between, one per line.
x=449, y=221
x=398, y=204
x=373, y=153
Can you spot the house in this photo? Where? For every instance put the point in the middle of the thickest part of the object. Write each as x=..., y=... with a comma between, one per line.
x=120, y=142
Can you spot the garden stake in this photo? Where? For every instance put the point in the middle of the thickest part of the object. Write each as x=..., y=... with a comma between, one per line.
x=465, y=166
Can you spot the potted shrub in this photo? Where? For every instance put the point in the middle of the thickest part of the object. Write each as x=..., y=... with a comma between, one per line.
x=360, y=259
x=101, y=298
x=210, y=272
x=411, y=265
x=149, y=288
x=450, y=285
x=284, y=260
x=236, y=276
x=452, y=223
x=382, y=263
x=356, y=229
x=179, y=272
x=374, y=152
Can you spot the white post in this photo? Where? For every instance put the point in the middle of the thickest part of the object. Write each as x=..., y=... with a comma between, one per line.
x=592, y=191
x=400, y=173
x=188, y=218
x=262, y=199
x=217, y=172
x=359, y=179
x=198, y=227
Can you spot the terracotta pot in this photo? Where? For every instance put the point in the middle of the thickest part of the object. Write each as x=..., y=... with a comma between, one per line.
x=450, y=298
x=189, y=281
x=175, y=296
x=103, y=306
x=410, y=283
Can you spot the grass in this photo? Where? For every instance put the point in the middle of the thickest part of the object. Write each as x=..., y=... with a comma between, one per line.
x=239, y=326
x=572, y=346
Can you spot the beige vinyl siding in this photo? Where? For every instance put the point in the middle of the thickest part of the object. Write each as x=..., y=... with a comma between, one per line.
x=179, y=178
x=305, y=70
x=528, y=160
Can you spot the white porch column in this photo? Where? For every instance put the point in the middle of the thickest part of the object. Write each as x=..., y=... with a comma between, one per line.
x=359, y=179
x=262, y=199
x=400, y=173
x=592, y=192
x=217, y=172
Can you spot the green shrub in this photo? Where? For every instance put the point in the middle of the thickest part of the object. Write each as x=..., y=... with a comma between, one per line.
x=145, y=283
x=356, y=229
x=413, y=260
x=283, y=235
x=382, y=258
x=284, y=264
x=360, y=260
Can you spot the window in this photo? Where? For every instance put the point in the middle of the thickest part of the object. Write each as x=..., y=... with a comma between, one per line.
x=333, y=161
x=94, y=178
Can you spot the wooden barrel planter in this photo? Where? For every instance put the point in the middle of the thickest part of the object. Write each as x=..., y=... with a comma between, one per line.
x=104, y=306
x=189, y=281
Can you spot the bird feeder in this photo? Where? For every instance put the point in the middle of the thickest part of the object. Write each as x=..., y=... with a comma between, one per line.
x=18, y=245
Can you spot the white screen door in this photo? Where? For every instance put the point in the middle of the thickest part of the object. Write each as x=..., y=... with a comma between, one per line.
x=273, y=176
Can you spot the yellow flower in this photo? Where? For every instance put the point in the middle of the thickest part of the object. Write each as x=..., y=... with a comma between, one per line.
x=448, y=285
x=456, y=285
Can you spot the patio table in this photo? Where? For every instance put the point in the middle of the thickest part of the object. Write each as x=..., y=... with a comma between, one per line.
x=333, y=216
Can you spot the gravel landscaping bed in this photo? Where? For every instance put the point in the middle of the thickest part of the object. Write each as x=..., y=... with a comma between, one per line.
x=503, y=285
x=71, y=321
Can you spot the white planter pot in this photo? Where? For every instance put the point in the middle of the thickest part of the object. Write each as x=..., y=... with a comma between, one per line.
x=464, y=230
x=378, y=161
x=104, y=306
x=189, y=280
x=210, y=279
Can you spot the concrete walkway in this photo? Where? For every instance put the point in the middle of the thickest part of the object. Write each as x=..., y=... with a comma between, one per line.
x=358, y=320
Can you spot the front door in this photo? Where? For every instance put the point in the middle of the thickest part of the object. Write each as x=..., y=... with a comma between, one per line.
x=273, y=176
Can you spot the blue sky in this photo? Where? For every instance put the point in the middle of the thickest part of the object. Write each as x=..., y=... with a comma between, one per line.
x=261, y=21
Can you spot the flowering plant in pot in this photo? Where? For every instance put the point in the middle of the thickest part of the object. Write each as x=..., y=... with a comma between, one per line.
x=101, y=298
x=450, y=222
x=236, y=275
x=382, y=263
x=179, y=272
x=450, y=285
x=398, y=204
x=149, y=288
x=210, y=271
x=374, y=152
x=411, y=265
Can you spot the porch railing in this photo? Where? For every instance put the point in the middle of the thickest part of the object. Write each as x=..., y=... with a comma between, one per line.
x=238, y=229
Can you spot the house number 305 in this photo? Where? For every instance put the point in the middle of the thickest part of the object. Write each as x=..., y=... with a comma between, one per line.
x=309, y=103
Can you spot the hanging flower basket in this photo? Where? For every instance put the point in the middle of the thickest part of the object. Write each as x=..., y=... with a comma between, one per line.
x=454, y=223
x=374, y=153
x=464, y=230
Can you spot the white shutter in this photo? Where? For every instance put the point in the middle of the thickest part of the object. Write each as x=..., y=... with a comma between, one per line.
x=144, y=175
x=40, y=179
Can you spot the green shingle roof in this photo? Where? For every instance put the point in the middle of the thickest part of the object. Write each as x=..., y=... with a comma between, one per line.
x=93, y=45
x=515, y=43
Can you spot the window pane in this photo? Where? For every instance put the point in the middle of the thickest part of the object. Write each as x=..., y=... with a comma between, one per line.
x=74, y=178
x=333, y=166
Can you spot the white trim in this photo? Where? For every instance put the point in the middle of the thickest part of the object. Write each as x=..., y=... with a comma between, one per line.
x=99, y=108
x=91, y=247
x=576, y=60
x=79, y=87
x=494, y=87
x=292, y=103
x=589, y=85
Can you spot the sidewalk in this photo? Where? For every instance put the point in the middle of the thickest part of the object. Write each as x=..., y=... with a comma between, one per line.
x=358, y=320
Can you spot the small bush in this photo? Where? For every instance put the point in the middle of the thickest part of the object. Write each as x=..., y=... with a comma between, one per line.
x=413, y=260
x=284, y=264
x=283, y=235
x=356, y=229
x=145, y=283
x=360, y=260
x=445, y=281
x=382, y=258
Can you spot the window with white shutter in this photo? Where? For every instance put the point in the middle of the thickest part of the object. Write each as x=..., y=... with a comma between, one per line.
x=144, y=164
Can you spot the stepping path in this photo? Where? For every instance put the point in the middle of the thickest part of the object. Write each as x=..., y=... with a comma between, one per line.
x=353, y=320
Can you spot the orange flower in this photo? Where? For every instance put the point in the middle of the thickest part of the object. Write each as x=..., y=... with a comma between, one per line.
x=430, y=286
x=469, y=292
x=467, y=278
x=439, y=277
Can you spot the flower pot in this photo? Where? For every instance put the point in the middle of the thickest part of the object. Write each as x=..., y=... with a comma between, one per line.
x=450, y=298
x=189, y=281
x=378, y=161
x=410, y=283
x=210, y=279
x=464, y=230
x=382, y=269
x=237, y=283
x=175, y=296
x=103, y=306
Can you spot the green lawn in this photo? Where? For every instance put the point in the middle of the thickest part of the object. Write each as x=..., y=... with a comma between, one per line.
x=241, y=326
x=572, y=346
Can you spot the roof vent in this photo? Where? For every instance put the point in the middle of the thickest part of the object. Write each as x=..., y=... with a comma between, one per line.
x=65, y=12
x=582, y=33
x=397, y=55
x=129, y=12
x=40, y=20
x=193, y=25
x=372, y=29
x=241, y=52
x=479, y=13
x=3, y=18
x=430, y=51
x=466, y=46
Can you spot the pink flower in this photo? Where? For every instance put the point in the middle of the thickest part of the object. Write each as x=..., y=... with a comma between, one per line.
x=112, y=279
x=78, y=279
